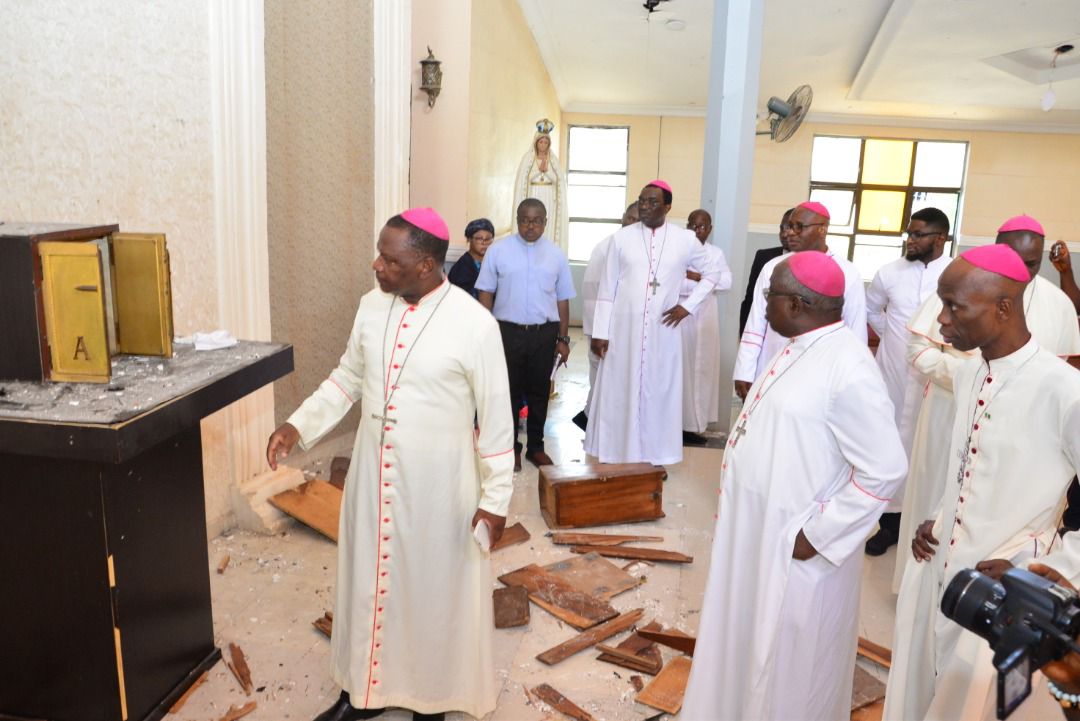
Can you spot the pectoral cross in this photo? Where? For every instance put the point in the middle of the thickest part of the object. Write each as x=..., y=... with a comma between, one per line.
x=654, y=284
x=738, y=433
x=383, y=420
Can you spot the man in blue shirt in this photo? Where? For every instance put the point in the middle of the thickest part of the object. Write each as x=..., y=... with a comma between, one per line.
x=525, y=282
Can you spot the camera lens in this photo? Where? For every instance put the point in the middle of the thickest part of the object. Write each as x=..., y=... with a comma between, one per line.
x=973, y=601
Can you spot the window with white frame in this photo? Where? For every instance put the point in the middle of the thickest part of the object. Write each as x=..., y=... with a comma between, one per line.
x=597, y=159
x=871, y=186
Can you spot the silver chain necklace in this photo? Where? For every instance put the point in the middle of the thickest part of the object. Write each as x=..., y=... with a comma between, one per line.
x=654, y=284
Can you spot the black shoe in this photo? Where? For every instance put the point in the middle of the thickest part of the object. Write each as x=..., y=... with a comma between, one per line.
x=693, y=439
x=517, y=460
x=539, y=458
x=417, y=716
x=342, y=710
x=581, y=420
x=880, y=542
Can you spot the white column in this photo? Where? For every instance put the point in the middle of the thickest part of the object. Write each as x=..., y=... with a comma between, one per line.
x=238, y=121
x=729, y=158
x=392, y=27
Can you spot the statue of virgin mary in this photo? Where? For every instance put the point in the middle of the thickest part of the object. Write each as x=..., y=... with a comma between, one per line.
x=539, y=176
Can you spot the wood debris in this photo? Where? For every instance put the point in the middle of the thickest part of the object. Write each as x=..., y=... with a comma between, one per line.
x=878, y=654
x=568, y=538
x=637, y=554
x=559, y=598
x=594, y=575
x=237, y=713
x=865, y=690
x=316, y=504
x=591, y=637
x=325, y=623
x=560, y=703
x=665, y=692
x=511, y=606
x=512, y=536
x=672, y=639
x=637, y=682
x=236, y=663
x=175, y=708
x=636, y=652
x=223, y=564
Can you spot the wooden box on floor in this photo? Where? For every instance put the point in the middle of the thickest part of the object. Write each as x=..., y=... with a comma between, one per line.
x=575, y=495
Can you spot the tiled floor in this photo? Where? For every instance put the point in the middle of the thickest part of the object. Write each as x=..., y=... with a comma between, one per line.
x=275, y=586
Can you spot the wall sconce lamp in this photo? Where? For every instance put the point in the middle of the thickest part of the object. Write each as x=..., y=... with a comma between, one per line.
x=431, y=77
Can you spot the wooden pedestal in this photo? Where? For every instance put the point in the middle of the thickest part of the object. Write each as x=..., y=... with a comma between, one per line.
x=577, y=495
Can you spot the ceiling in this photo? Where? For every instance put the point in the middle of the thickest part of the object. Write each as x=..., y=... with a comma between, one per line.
x=964, y=63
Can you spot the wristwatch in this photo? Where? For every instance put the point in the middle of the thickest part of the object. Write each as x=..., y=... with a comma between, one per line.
x=563, y=339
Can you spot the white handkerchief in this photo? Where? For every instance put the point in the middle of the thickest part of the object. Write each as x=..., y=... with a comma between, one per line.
x=482, y=534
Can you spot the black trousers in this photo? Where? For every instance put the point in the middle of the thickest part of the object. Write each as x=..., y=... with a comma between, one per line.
x=530, y=356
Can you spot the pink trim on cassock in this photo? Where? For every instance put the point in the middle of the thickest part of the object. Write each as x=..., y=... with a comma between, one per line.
x=494, y=455
x=750, y=342
x=759, y=335
x=876, y=498
x=338, y=386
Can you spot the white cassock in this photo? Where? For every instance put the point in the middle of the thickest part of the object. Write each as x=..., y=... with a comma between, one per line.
x=898, y=290
x=777, y=637
x=760, y=342
x=590, y=286
x=1015, y=446
x=1051, y=318
x=701, y=352
x=413, y=615
x=636, y=411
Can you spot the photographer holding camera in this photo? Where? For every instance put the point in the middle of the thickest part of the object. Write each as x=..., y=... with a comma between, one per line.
x=1016, y=441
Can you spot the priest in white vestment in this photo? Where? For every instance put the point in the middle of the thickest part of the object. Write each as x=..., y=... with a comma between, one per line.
x=759, y=342
x=636, y=410
x=701, y=341
x=1052, y=322
x=1014, y=450
x=590, y=286
x=897, y=291
x=413, y=614
x=779, y=622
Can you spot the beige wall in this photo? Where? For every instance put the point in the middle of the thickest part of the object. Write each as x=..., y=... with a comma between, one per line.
x=1008, y=173
x=319, y=96
x=511, y=90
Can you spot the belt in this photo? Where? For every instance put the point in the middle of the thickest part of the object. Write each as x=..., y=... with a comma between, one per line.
x=529, y=327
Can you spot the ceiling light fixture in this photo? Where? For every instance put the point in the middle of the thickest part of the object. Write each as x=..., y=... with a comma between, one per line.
x=1049, y=97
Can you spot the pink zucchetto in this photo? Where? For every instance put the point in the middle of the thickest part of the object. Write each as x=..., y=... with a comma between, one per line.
x=815, y=207
x=818, y=272
x=999, y=259
x=427, y=219
x=1021, y=222
x=662, y=184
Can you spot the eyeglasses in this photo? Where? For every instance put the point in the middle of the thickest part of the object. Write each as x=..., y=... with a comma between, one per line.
x=770, y=293
x=531, y=221
x=481, y=239
x=911, y=235
x=798, y=228
x=699, y=226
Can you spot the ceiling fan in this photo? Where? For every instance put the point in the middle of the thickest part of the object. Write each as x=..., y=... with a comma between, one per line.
x=785, y=116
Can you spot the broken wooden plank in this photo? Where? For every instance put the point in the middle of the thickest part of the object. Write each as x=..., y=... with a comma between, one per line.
x=235, y=713
x=315, y=503
x=223, y=564
x=672, y=639
x=637, y=682
x=665, y=692
x=339, y=468
x=559, y=598
x=569, y=538
x=645, y=654
x=325, y=623
x=594, y=575
x=238, y=665
x=560, y=703
x=512, y=536
x=511, y=606
x=637, y=554
x=878, y=654
x=175, y=708
x=865, y=690
x=591, y=637
x=614, y=654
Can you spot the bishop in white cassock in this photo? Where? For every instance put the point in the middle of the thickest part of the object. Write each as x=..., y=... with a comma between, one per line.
x=701, y=338
x=413, y=615
x=760, y=342
x=1015, y=446
x=636, y=411
x=806, y=473
x=1051, y=320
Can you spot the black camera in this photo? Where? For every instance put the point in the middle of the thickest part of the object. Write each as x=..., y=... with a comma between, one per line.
x=1028, y=620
